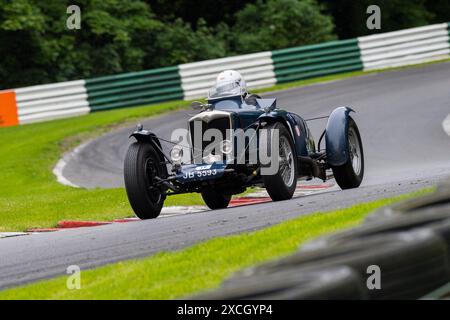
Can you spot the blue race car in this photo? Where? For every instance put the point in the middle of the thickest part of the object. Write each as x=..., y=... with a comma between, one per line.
x=236, y=141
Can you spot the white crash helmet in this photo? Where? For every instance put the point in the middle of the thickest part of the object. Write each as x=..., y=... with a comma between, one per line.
x=228, y=83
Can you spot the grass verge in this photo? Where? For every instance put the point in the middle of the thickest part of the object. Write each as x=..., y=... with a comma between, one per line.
x=30, y=197
x=201, y=267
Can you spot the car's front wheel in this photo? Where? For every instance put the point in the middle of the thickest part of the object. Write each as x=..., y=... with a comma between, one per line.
x=281, y=185
x=141, y=168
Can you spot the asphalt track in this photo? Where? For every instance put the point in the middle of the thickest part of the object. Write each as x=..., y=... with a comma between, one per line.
x=400, y=115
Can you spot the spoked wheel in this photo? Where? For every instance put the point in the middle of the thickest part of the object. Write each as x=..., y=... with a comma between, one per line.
x=142, y=167
x=287, y=167
x=350, y=174
x=281, y=185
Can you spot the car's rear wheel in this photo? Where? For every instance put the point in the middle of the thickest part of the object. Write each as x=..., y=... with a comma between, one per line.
x=350, y=174
x=281, y=185
x=215, y=199
x=142, y=167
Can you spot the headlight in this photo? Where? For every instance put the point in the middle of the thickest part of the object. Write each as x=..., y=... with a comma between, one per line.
x=226, y=147
x=176, y=154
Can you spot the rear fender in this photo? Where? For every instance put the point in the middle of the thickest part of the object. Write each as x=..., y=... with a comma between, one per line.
x=336, y=136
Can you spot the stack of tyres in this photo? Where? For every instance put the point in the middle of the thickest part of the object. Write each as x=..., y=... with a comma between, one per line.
x=439, y=200
x=435, y=221
x=409, y=242
x=411, y=263
x=293, y=284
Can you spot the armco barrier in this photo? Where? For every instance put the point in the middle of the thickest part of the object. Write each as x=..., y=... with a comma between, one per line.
x=198, y=77
x=192, y=80
x=51, y=101
x=135, y=88
x=405, y=47
x=316, y=60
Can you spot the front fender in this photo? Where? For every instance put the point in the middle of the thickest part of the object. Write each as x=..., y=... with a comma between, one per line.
x=151, y=138
x=274, y=116
x=336, y=140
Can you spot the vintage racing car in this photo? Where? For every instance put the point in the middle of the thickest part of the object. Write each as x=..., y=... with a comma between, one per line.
x=151, y=173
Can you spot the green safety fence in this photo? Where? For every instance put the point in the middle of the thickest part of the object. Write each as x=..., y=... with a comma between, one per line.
x=134, y=88
x=316, y=60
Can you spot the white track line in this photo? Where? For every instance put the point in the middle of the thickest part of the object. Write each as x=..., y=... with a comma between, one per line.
x=58, y=172
x=58, y=169
x=446, y=125
x=181, y=210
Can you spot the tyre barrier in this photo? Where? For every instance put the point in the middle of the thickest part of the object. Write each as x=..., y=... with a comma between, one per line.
x=440, y=293
x=438, y=218
x=436, y=201
x=403, y=47
x=329, y=283
x=408, y=243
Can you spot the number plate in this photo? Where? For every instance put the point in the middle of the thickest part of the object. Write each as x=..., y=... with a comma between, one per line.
x=201, y=172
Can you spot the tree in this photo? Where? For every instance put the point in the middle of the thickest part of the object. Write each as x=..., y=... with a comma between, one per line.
x=179, y=43
x=121, y=36
x=279, y=24
x=115, y=36
x=350, y=16
x=440, y=9
x=190, y=11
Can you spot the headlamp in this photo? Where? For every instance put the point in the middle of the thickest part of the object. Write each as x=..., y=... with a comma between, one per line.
x=176, y=154
x=226, y=147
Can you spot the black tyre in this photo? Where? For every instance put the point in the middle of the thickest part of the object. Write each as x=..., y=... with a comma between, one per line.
x=404, y=223
x=142, y=165
x=332, y=283
x=350, y=174
x=215, y=200
x=281, y=185
x=412, y=264
x=428, y=204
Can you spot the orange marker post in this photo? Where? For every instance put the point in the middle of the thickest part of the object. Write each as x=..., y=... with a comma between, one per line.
x=8, y=109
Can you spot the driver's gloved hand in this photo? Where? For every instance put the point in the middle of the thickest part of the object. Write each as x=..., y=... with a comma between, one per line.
x=251, y=99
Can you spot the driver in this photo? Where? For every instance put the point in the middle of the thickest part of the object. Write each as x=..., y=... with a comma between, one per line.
x=231, y=83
